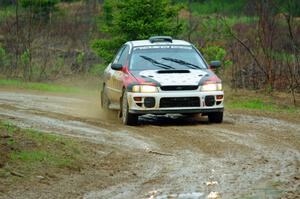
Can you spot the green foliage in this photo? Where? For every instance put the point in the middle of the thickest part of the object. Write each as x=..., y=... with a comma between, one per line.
x=9, y=127
x=6, y=11
x=46, y=150
x=219, y=6
x=57, y=66
x=106, y=48
x=214, y=53
x=42, y=4
x=128, y=20
x=252, y=104
x=107, y=15
x=2, y=53
x=97, y=69
x=37, y=86
x=244, y=99
x=3, y=57
x=240, y=7
x=31, y=156
x=139, y=19
x=35, y=157
x=40, y=8
x=25, y=57
x=80, y=58
x=69, y=1
x=6, y=2
x=11, y=141
x=213, y=30
x=288, y=6
x=283, y=56
x=233, y=20
x=259, y=104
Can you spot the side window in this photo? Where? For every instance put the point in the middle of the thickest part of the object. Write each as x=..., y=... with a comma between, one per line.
x=124, y=55
x=117, y=57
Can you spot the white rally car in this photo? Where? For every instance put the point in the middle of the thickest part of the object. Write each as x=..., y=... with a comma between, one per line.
x=162, y=76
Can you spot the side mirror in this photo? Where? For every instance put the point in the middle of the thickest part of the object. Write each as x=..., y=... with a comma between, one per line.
x=117, y=66
x=215, y=64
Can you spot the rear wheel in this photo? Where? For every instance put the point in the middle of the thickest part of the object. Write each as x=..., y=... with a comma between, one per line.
x=127, y=118
x=104, y=98
x=216, y=117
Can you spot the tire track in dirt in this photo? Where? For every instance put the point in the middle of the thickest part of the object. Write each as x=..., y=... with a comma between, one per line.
x=245, y=154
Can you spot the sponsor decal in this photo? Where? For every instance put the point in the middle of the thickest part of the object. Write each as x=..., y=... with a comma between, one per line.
x=174, y=79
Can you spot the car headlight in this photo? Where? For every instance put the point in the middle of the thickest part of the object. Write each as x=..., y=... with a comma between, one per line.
x=212, y=87
x=144, y=89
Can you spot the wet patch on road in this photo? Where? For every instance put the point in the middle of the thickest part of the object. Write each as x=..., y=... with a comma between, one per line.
x=170, y=156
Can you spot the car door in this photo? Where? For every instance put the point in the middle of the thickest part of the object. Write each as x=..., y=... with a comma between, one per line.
x=117, y=76
x=109, y=77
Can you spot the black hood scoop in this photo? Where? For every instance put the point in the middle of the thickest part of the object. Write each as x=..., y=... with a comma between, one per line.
x=172, y=71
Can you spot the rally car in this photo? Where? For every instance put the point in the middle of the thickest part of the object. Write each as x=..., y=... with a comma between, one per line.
x=162, y=75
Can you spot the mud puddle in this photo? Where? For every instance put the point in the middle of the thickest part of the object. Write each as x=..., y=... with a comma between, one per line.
x=171, y=156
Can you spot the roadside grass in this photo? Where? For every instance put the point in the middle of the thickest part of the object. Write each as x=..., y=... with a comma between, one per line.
x=210, y=7
x=10, y=83
x=26, y=152
x=97, y=69
x=233, y=20
x=6, y=11
x=277, y=102
x=215, y=22
x=259, y=104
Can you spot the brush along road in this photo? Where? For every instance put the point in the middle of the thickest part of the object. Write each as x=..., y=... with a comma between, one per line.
x=165, y=156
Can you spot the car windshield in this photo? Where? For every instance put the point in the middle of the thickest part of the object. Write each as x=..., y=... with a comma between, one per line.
x=166, y=58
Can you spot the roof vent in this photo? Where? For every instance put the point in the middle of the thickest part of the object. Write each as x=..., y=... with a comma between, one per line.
x=160, y=39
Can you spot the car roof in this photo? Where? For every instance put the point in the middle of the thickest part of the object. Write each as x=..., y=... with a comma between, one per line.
x=149, y=43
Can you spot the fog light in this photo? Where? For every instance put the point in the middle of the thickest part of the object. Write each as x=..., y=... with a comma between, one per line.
x=149, y=102
x=210, y=100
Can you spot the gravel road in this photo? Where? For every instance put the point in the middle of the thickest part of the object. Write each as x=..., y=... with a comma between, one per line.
x=247, y=156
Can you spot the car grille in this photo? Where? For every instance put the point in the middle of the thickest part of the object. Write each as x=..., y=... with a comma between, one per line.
x=171, y=102
x=178, y=88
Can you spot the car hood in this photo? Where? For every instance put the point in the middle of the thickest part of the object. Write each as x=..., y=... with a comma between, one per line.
x=173, y=77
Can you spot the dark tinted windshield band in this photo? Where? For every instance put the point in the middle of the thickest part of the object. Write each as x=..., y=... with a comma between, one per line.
x=162, y=47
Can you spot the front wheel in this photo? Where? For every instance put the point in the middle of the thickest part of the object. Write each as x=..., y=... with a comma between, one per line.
x=216, y=117
x=127, y=118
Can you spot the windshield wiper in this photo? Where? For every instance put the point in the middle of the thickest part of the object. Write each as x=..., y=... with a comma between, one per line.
x=156, y=63
x=182, y=62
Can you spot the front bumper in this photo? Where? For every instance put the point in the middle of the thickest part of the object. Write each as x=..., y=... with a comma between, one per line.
x=137, y=106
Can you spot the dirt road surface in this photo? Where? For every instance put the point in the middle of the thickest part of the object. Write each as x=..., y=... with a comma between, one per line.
x=247, y=156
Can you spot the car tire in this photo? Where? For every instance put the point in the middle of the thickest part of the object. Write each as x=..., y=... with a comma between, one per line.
x=127, y=118
x=104, y=99
x=216, y=117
